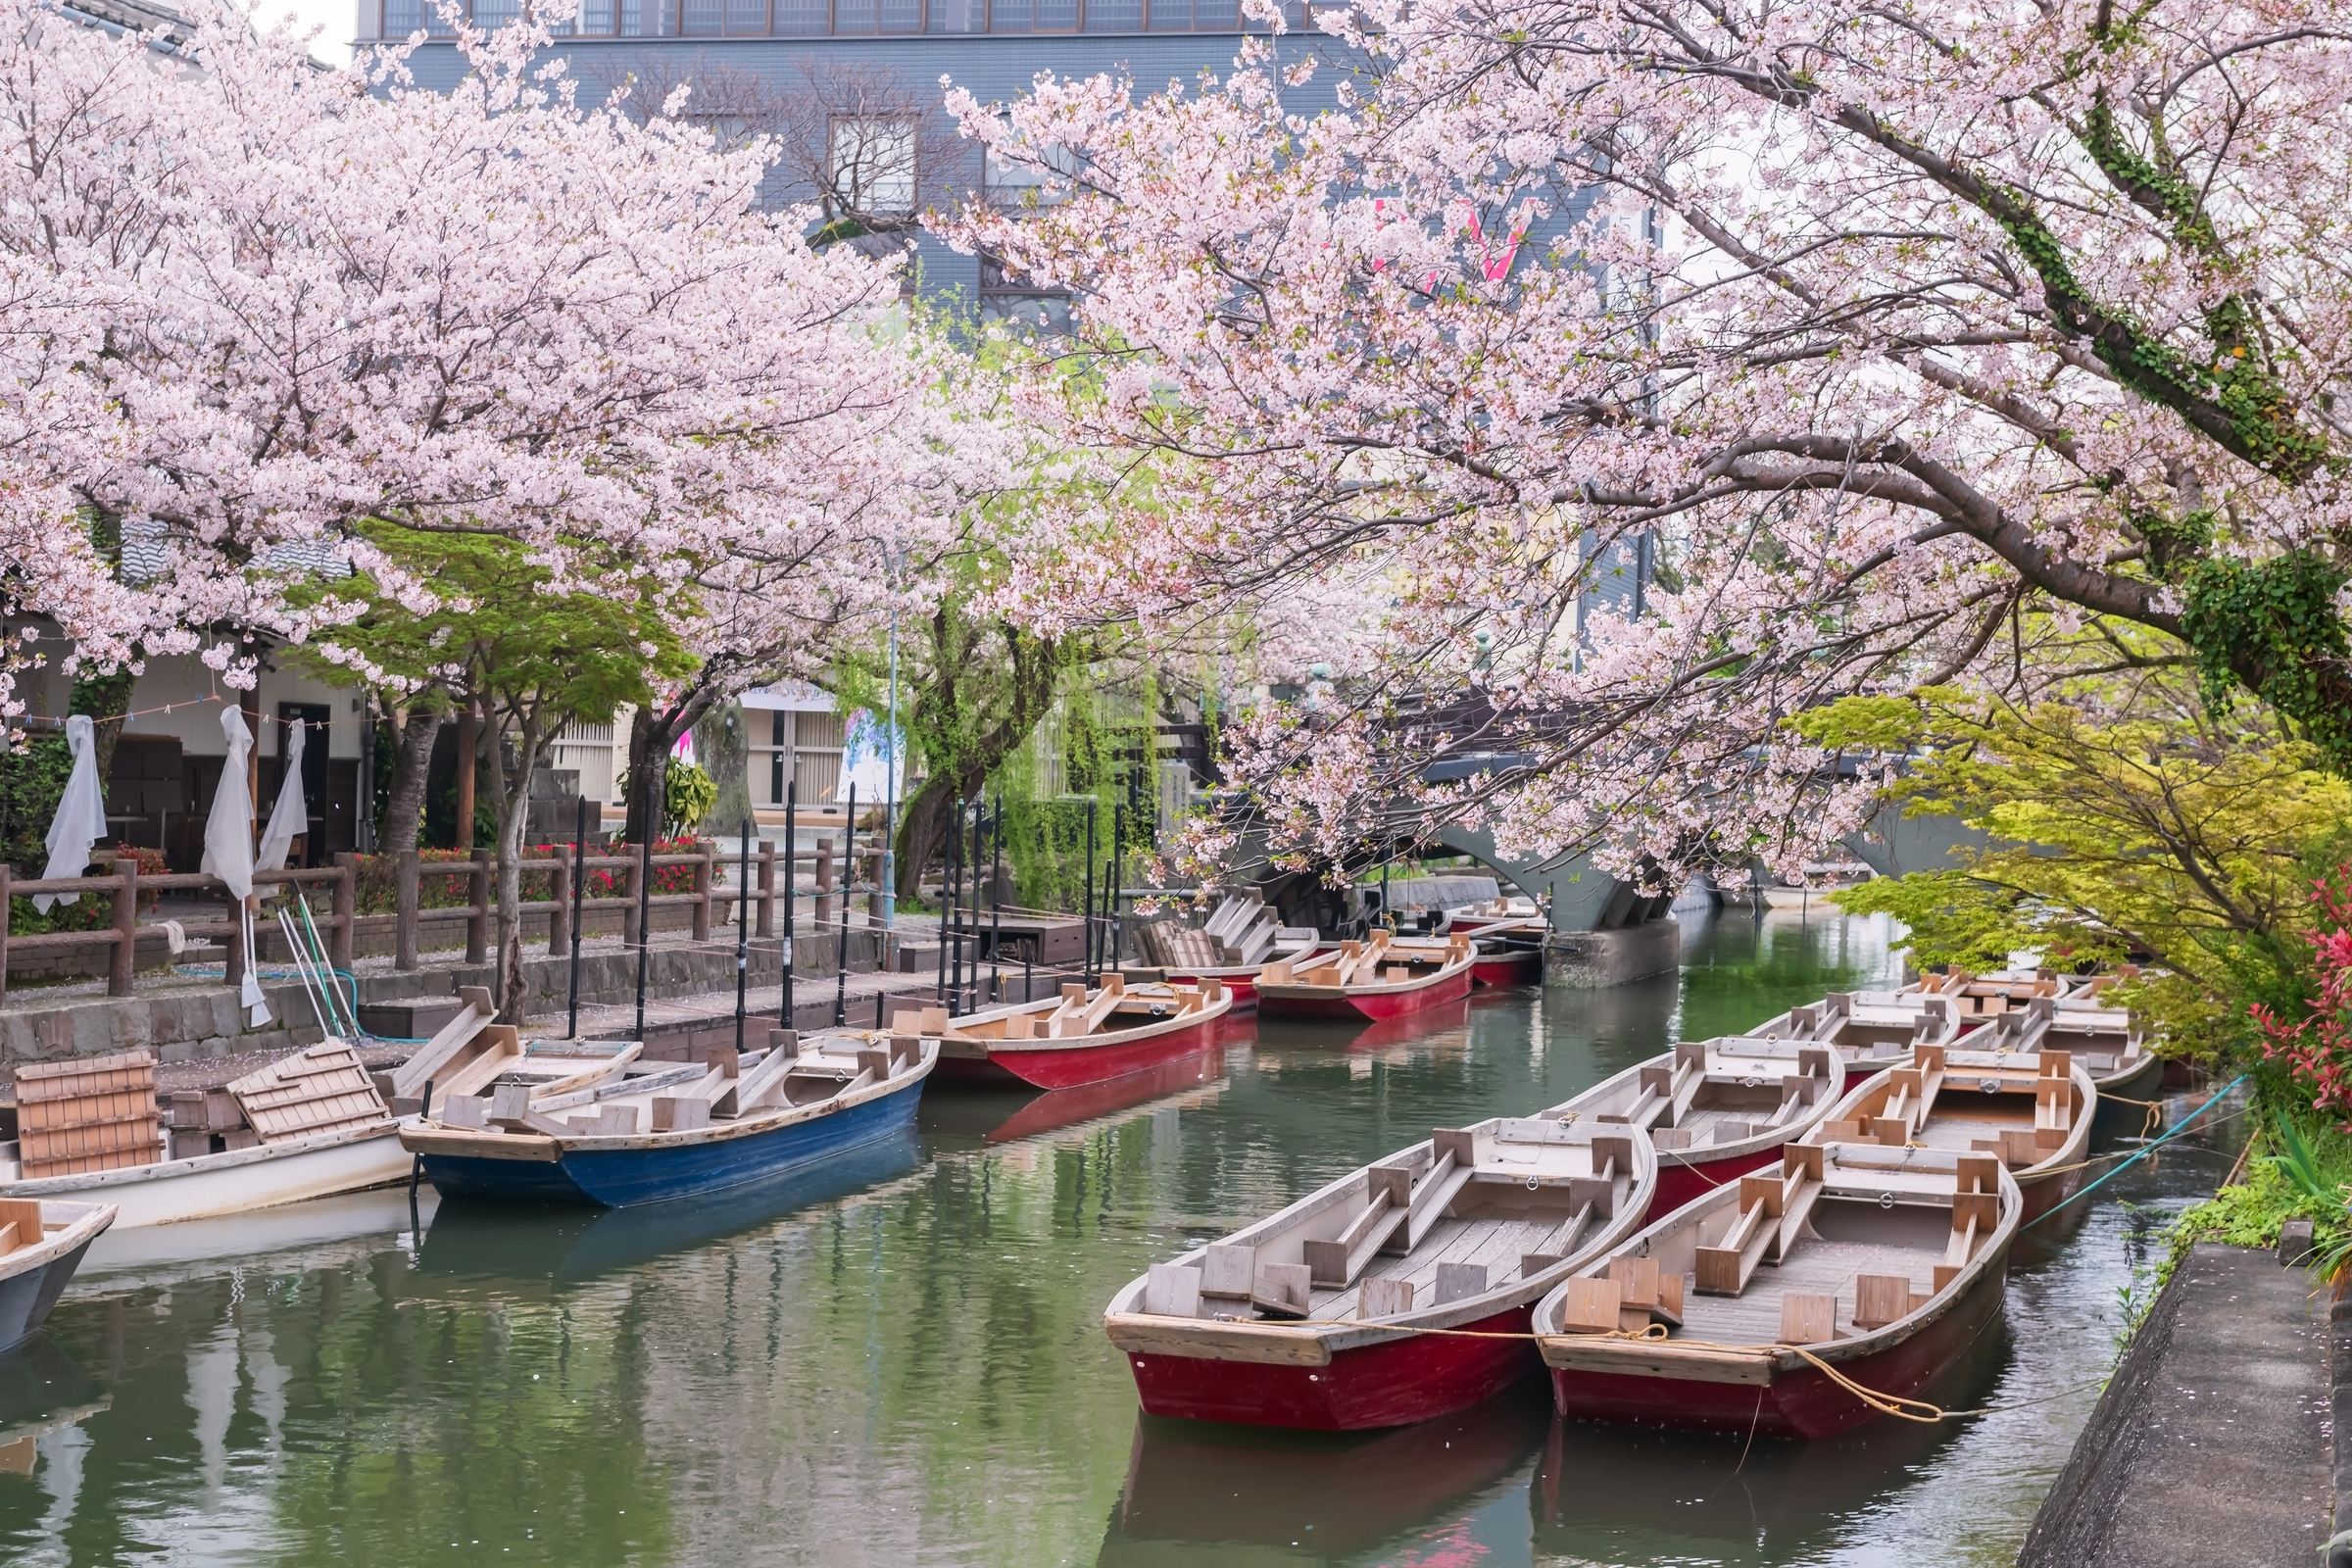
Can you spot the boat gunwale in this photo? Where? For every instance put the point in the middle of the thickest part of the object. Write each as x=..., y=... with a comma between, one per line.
x=78, y=1231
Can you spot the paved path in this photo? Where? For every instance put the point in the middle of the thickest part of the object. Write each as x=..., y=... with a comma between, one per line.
x=2211, y=1448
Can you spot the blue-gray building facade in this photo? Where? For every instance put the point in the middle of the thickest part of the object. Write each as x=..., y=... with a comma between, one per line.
x=823, y=75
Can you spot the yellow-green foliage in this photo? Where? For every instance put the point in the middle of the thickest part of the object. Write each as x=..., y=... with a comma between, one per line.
x=2126, y=818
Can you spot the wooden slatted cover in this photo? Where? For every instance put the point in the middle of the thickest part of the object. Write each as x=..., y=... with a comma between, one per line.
x=315, y=1091
x=98, y=1113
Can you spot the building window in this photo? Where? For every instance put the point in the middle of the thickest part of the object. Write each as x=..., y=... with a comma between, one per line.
x=870, y=163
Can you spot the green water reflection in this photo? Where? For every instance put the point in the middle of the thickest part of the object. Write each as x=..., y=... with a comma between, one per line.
x=903, y=1363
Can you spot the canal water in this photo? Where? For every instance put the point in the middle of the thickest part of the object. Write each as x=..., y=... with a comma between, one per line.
x=905, y=1364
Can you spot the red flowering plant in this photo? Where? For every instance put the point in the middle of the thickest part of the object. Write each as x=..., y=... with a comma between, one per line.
x=2316, y=1049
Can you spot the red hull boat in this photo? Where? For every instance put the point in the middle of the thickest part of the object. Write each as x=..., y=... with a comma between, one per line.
x=1512, y=966
x=1081, y=1038
x=1375, y=980
x=1845, y=1231
x=1308, y=1318
x=1066, y=1107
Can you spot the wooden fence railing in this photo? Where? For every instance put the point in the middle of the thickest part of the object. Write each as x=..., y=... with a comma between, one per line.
x=341, y=923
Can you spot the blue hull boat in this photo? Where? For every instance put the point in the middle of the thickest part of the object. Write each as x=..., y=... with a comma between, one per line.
x=46, y=1242
x=536, y=1160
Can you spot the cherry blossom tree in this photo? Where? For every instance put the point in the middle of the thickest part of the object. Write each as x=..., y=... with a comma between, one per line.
x=1675, y=368
x=252, y=309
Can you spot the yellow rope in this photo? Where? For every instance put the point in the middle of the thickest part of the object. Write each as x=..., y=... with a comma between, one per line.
x=1894, y=1404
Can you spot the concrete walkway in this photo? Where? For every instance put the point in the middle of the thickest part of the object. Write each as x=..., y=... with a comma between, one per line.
x=2211, y=1447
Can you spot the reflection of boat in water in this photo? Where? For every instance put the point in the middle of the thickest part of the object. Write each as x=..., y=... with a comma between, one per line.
x=42, y=1389
x=1618, y=1493
x=328, y=1232
x=1267, y=1495
x=1002, y=1116
x=567, y=1243
x=1324, y=1034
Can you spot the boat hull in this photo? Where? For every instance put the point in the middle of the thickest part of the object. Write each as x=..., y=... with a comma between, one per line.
x=27, y=1297
x=214, y=1185
x=1508, y=969
x=1357, y=1006
x=657, y=1172
x=1389, y=1383
x=1067, y=1066
x=1804, y=1402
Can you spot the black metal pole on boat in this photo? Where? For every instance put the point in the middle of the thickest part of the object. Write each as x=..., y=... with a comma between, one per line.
x=645, y=887
x=742, y=934
x=967, y=852
x=1087, y=926
x=1029, y=970
x=841, y=946
x=579, y=891
x=792, y=888
x=996, y=901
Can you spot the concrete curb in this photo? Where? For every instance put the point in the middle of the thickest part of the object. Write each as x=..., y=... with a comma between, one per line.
x=2339, y=1380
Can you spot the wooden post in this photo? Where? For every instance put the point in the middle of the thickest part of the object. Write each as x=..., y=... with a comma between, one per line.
x=824, y=883
x=126, y=926
x=702, y=894
x=477, y=916
x=629, y=934
x=237, y=957
x=339, y=944
x=558, y=913
x=468, y=763
x=404, y=906
x=4, y=915
x=767, y=888
x=873, y=896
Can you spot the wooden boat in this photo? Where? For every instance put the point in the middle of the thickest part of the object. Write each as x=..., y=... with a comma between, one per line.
x=2032, y=1112
x=1241, y=936
x=1714, y=1109
x=1512, y=910
x=91, y=1130
x=1079, y=1037
x=1849, y=1232
x=676, y=1131
x=1380, y=977
x=1299, y=1320
x=1296, y=943
x=1508, y=955
x=41, y=1244
x=1869, y=1030
x=2105, y=1041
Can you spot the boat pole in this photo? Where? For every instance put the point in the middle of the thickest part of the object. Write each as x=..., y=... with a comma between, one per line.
x=1087, y=927
x=579, y=893
x=841, y=948
x=996, y=901
x=792, y=886
x=742, y=934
